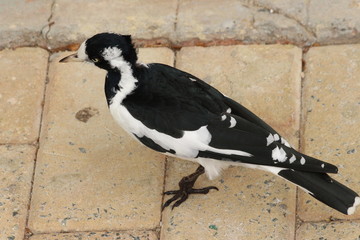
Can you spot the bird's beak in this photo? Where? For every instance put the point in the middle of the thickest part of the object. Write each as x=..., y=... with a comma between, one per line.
x=71, y=58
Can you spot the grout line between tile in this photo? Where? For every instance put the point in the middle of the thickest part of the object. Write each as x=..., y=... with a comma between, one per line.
x=334, y=220
x=44, y=32
x=34, y=144
x=163, y=197
x=165, y=168
x=300, y=136
x=98, y=231
x=176, y=16
x=167, y=42
x=27, y=232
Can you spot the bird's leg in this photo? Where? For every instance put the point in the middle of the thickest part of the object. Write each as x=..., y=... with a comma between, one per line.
x=186, y=187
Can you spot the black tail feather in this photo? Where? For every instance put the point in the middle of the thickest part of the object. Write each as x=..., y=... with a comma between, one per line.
x=327, y=190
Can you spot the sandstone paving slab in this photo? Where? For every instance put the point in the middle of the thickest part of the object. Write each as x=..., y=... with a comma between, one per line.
x=301, y=22
x=128, y=235
x=22, y=81
x=331, y=120
x=211, y=21
x=329, y=230
x=22, y=22
x=142, y=19
x=249, y=203
x=295, y=9
x=246, y=21
x=16, y=170
x=90, y=175
x=337, y=22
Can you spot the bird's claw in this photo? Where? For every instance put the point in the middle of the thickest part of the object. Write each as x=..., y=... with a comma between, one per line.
x=182, y=195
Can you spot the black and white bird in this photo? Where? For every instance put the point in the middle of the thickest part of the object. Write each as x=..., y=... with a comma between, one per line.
x=178, y=114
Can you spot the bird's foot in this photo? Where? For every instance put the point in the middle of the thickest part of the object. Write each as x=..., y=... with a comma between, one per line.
x=186, y=187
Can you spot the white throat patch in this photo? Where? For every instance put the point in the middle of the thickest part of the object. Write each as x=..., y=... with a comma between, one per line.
x=127, y=82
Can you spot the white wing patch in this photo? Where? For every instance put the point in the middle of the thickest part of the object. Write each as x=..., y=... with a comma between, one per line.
x=276, y=137
x=273, y=138
x=269, y=139
x=302, y=161
x=278, y=154
x=232, y=122
x=292, y=159
x=286, y=143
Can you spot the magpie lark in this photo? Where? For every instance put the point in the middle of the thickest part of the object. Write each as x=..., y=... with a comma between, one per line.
x=176, y=113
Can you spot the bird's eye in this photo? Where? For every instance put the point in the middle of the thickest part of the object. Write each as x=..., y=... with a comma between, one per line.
x=95, y=60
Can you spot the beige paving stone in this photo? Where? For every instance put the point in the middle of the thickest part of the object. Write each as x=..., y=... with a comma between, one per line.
x=296, y=9
x=90, y=175
x=337, y=22
x=331, y=110
x=211, y=21
x=250, y=203
x=142, y=19
x=16, y=170
x=156, y=55
x=329, y=231
x=129, y=235
x=23, y=21
x=22, y=80
x=247, y=21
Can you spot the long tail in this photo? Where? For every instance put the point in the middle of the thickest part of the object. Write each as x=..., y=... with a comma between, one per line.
x=322, y=187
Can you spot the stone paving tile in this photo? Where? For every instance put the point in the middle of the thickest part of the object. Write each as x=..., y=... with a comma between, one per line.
x=131, y=235
x=16, y=169
x=249, y=203
x=212, y=23
x=141, y=18
x=240, y=20
x=22, y=22
x=329, y=231
x=22, y=80
x=331, y=104
x=298, y=21
x=337, y=22
x=295, y=9
x=90, y=175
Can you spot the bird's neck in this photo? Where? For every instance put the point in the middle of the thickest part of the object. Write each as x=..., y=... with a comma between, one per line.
x=123, y=79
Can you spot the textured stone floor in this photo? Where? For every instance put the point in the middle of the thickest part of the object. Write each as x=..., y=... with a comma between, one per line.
x=68, y=172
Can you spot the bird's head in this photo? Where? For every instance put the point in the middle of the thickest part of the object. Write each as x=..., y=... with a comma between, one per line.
x=106, y=50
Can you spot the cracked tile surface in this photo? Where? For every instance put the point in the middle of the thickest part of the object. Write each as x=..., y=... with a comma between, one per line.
x=143, y=19
x=22, y=22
